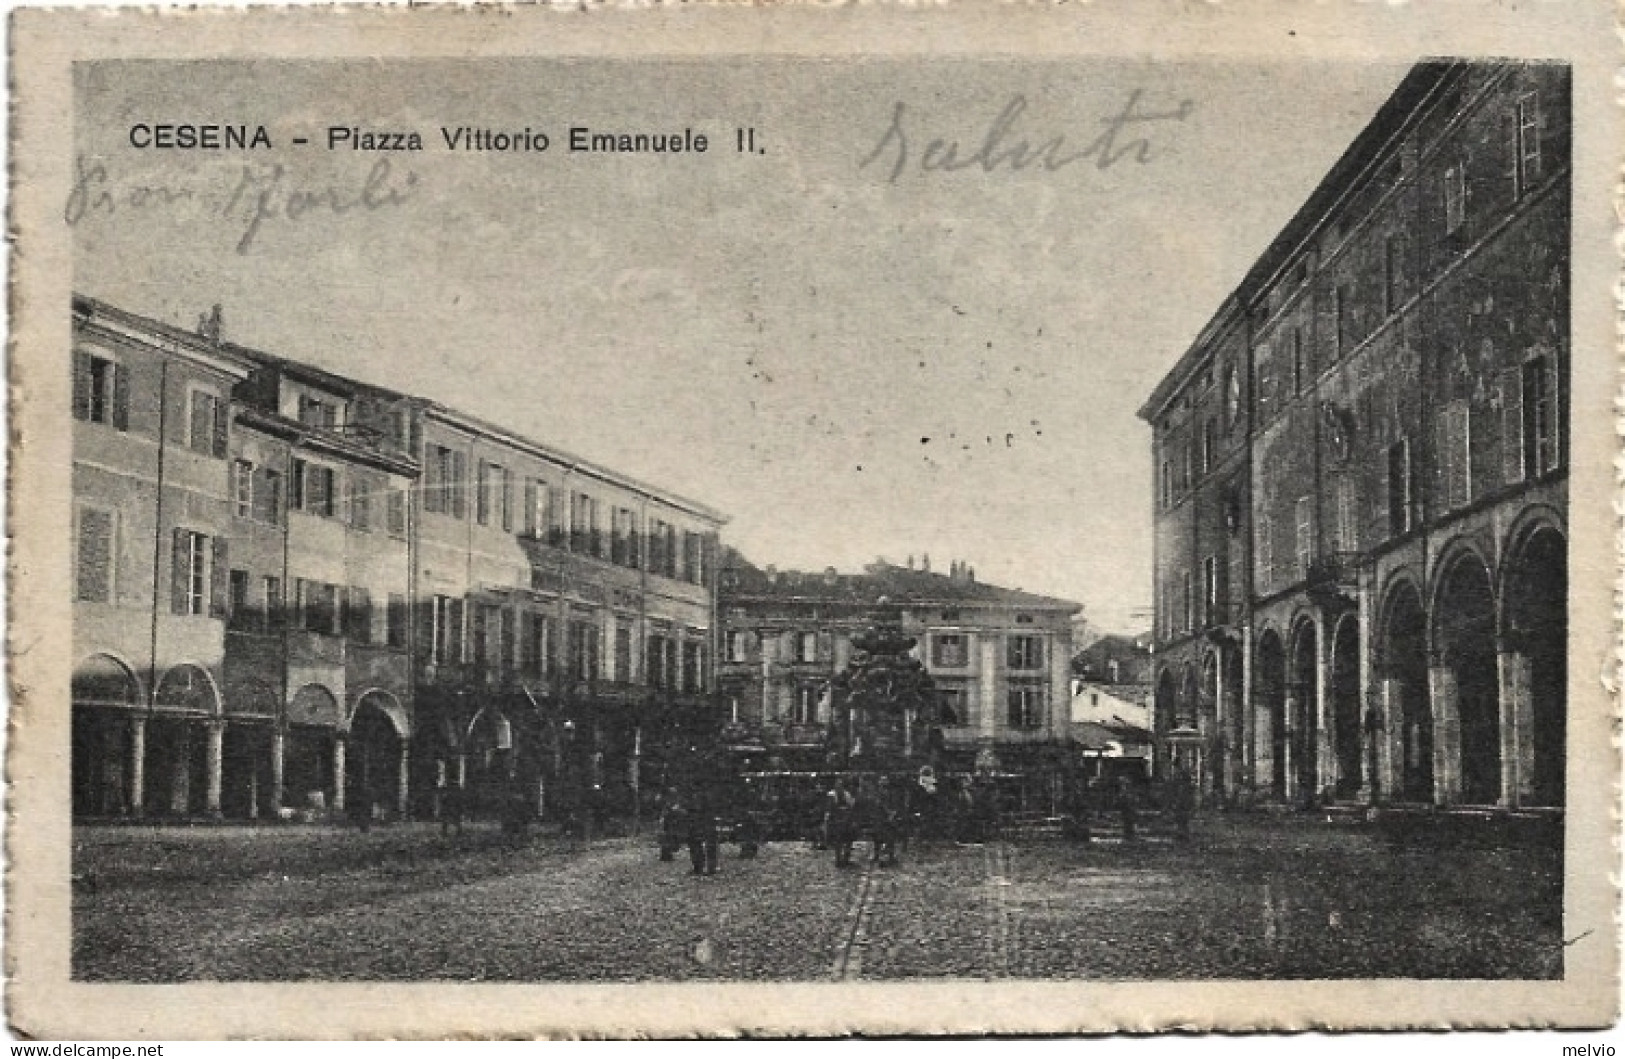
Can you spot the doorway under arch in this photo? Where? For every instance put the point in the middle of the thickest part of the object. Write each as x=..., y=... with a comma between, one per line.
x=1537, y=614
x=1464, y=632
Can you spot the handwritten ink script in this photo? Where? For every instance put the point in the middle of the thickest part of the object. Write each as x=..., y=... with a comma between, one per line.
x=1125, y=135
x=253, y=197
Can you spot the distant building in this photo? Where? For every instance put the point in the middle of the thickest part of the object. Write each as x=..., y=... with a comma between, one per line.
x=998, y=656
x=1362, y=472
x=1114, y=659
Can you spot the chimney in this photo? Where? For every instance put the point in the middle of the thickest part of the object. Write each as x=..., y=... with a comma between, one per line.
x=925, y=562
x=911, y=560
x=772, y=575
x=970, y=574
x=830, y=576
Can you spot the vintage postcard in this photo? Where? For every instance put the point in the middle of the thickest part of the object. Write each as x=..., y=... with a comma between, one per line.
x=939, y=520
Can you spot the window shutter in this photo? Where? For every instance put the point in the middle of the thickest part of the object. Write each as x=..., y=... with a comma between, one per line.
x=81, y=384
x=222, y=418
x=531, y=522
x=1382, y=523
x=1558, y=414
x=95, y=565
x=220, y=581
x=424, y=637
x=121, y=396
x=456, y=635
x=179, y=569
x=459, y=480
x=1512, y=441
x=1442, y=460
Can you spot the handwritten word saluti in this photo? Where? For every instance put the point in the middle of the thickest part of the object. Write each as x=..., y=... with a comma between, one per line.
x=251, y=197
x=1004, y=145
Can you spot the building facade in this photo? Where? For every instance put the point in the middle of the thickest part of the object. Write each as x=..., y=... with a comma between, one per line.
x=1361, y=500
x=296, y=592
x=998, y=657
x=565, y=622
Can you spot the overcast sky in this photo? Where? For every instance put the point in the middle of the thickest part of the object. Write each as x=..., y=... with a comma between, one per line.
x=851, y=360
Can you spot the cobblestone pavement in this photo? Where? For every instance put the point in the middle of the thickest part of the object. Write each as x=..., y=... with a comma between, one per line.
x=1250, y=898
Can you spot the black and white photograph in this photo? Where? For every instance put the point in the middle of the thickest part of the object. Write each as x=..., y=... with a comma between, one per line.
x=976, y=521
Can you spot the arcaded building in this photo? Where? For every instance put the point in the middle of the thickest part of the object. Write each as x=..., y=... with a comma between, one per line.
x=296, y=593
x=1362, y=488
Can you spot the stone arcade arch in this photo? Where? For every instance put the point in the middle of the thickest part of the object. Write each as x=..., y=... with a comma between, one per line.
x=177, y=770
x=1274, y=750
x=1535, y=660
x=310, y=755
x=1402, y=667
x=1465, y=678
x=1348, y=743
x=106, y=695
x=1303, y=699
x=375, y=759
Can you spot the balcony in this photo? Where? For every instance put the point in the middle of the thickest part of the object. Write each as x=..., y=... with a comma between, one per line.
x=1333, y=576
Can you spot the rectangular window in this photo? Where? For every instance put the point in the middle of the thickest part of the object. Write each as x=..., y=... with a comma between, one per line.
x=319, y=606
x=446, y=632
x=1026, y=706
x=208, y=425
x=1539, y=428
x=1340, y=319
x=358, y=615
x=1348, y=530
x=444, y=473
x=1211, y=601
x=189, y=587
x=361, y=502
x=949, y=650
x=101, y=391
x=1266, y=554
x=266, y=493
x=1456, y=454
x=955, y=706
x=1393, y=274
x=242, y=488
x=623, y=654
x=271, y=591
x=1300, y=371
x=1455, y=197
x=240, y=610
x=1167, y=481
x=1306, y=534
x=806, y=647
x=693, y=564
x=736, y=646
x=654, y=645
x=395, y=512
x=1528, y=141
x=1401, y=502
x=805, y=708
x=504, y=488
x=1025, y=652
x=491, y=496
x=94, y=561
x=395, y=621
x=1187, y=602
x=534, y=643
x=312, y=488
x=584, y=650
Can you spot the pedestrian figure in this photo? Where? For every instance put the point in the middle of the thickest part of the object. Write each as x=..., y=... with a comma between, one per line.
x=883, y=826
x=843, y=824
x=1127, y=807
x=673, y=824
x=703, y=840
x=451, y=809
